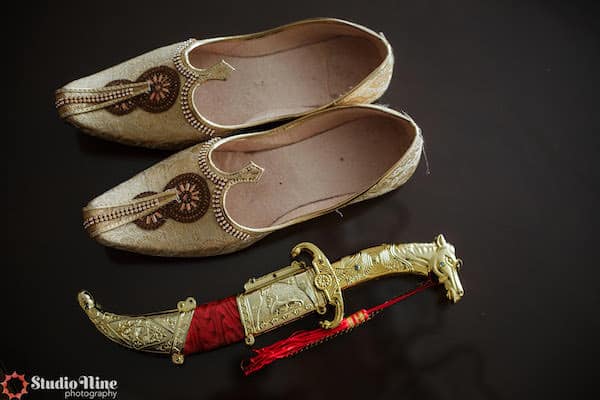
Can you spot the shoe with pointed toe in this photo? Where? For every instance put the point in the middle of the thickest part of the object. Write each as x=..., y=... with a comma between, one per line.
x=225, y=194
x=189, y=92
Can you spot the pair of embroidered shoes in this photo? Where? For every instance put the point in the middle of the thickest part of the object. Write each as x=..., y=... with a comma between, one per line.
x=227, y=192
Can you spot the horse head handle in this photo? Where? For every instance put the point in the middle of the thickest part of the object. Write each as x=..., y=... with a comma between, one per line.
x=445, y=265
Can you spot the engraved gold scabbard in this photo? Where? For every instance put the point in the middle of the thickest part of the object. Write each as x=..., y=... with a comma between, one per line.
x=164, y=332
x=309, y=284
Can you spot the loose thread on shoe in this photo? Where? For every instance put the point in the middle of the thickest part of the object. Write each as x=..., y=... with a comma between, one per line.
x=427, y=170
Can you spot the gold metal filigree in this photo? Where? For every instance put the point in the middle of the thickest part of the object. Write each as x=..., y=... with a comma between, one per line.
x=281, y=297
x=163, y=332
x=326, y=281
x=285, y=295
x=422, y=259
x=278, y=298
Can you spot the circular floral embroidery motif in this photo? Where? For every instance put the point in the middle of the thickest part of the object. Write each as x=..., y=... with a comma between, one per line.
x=194, y=198
x=123, y=107
x=164, y=88
x=150, y=221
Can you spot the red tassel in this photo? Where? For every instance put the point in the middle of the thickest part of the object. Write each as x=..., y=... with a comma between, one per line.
x=303, y=340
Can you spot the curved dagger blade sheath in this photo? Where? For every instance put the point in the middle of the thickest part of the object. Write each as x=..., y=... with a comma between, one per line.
x=163, y=332
x=275, y=299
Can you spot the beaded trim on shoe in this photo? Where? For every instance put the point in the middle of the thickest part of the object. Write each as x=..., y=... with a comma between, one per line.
x=91, y=96
x=222, y=182
x=97, y=220
x=124, y=211
x=192, y=79
x=154, y=91
x=71, y=102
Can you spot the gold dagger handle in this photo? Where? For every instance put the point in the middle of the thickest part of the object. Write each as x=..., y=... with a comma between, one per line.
x=278, y=298
x=437, y=258
x=379, y=261
x=326, y=281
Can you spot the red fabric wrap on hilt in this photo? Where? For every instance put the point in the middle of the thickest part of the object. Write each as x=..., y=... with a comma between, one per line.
x=213, y=325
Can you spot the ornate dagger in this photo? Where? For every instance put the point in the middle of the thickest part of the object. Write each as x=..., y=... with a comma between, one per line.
x=275, y=299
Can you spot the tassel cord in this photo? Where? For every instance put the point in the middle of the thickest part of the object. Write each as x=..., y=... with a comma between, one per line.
x=304, y=340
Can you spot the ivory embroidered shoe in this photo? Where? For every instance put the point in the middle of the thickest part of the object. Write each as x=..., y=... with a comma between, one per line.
x=227, y=193
x=188, y=92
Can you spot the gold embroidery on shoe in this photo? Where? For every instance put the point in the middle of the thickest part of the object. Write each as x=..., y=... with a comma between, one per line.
x=71, y=102
x=219, y=71
x=102, y=219
x=223, y=181
x=186, y=199
x=122, y=107
x=153, y=220
x=401, y=172
x=375, y=84
x=164, y=88
x=155, y=91
x=194, y=198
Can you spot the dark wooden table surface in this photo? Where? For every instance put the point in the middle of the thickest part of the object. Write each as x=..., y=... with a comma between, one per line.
x=506, y=94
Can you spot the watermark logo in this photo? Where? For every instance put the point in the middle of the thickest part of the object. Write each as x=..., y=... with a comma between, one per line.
x=15, y=386
x=83, y=387
x=8, y=379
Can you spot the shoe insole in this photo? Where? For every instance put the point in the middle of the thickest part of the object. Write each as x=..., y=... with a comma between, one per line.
x=313, y=174
x=284, y=82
